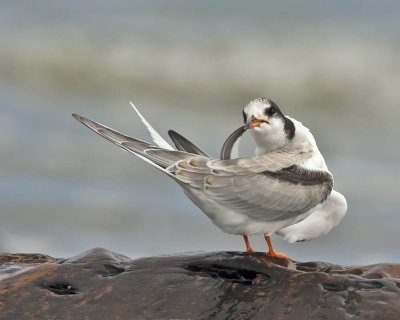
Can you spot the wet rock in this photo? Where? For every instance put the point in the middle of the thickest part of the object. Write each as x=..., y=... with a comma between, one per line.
x=23, y=258
x=99, y=284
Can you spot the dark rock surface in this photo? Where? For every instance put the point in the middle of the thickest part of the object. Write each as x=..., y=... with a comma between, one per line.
x=99, y=284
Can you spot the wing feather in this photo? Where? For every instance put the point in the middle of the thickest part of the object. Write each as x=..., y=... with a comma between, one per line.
x=267, y=198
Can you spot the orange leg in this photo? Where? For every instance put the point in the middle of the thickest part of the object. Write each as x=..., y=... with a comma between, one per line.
x=248, y=245
x=272, y=252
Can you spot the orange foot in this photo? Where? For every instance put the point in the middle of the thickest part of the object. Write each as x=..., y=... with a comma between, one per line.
x=249, y=248
x=272, y=252
x=279, y=255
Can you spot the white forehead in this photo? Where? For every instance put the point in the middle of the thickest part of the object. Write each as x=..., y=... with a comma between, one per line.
x=257, y=106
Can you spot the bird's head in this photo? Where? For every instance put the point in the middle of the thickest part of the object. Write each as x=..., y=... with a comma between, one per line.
x=270, y=128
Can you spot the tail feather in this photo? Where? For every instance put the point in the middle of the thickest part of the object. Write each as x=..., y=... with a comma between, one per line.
x=184, y=144
x=157, y=139
x=181, y=143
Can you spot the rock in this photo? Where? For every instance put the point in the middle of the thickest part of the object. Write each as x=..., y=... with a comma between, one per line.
x=99, y=284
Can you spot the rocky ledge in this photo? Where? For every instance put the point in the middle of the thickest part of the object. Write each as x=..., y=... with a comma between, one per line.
x=99, y=284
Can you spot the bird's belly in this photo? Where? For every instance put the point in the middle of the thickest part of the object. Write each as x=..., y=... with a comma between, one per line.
x=234, y=222
x=320, y=222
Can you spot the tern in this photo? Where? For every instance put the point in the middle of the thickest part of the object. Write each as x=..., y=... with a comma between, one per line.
x=285, y=188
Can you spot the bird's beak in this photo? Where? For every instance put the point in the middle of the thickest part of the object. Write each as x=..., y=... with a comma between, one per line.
x=254, y=122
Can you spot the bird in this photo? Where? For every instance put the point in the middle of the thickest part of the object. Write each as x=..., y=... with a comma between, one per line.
x=280, y=131
x=284, y=188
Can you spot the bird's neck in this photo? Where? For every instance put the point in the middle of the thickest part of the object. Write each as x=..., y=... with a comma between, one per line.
x=304, y=140
x=261, y=149
x=270, y=142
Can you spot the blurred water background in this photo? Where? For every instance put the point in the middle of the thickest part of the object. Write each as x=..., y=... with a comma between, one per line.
x=190, y=66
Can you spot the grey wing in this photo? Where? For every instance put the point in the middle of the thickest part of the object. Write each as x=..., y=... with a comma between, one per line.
x=161, y=160
x=111, y=134
x=259, y=187
x=183, y=144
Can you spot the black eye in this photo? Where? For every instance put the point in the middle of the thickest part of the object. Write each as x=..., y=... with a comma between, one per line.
x=244, y=116
x=270, y=111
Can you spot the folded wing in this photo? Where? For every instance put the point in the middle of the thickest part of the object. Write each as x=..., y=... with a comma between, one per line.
x=272, y=187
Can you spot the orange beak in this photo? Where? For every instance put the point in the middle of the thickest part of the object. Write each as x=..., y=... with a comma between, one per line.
x=257, y=122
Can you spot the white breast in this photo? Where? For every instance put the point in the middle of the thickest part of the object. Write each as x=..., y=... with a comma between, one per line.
x=328, y=215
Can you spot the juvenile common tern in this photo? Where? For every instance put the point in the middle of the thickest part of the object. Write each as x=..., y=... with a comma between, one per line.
x=285, y=188
x=279, y=132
